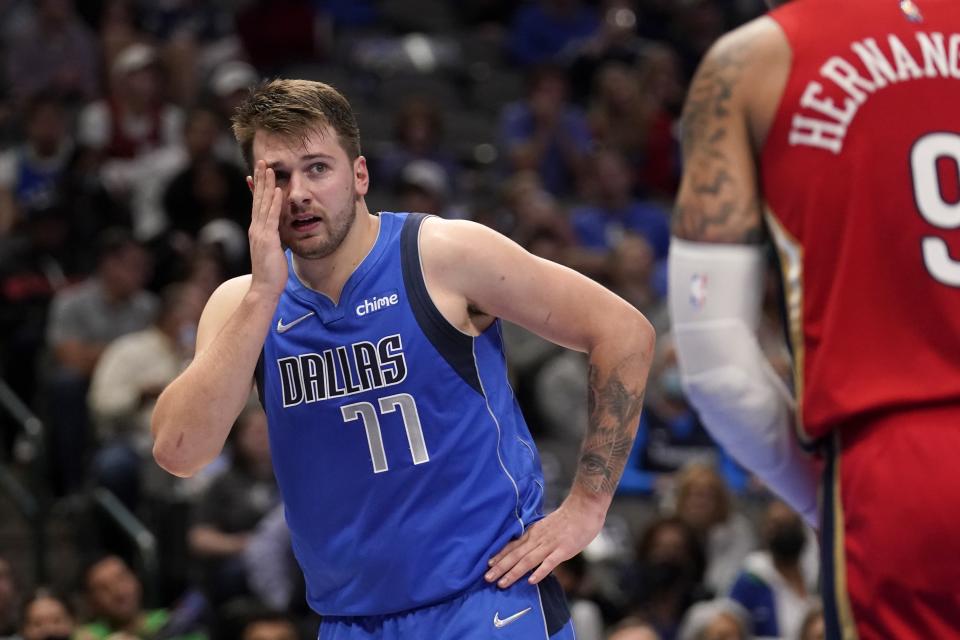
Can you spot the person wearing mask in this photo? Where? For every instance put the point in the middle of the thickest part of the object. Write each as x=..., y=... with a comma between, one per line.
x=775, y=585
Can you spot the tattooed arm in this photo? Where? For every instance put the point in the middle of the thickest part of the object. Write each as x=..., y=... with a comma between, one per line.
x=716, y=260
x=730, y=106
x=469, y=267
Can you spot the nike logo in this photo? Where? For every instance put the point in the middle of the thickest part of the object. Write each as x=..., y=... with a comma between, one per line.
x=283, y=328
x=500, y=623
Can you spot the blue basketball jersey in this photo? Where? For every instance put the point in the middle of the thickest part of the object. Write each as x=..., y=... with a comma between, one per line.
x=400, y=451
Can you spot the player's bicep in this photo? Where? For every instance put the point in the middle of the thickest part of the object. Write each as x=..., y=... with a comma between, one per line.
x=500, y=278
x=221, y=305
x=718, y=198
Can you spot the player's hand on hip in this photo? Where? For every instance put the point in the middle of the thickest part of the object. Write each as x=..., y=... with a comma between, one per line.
x=545, y=544
x=269, y=265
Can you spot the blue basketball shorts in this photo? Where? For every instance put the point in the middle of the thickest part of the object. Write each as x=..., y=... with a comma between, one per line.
x=520, y=612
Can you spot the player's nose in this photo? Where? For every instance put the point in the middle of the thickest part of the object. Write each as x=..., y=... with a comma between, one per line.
x=299, y=195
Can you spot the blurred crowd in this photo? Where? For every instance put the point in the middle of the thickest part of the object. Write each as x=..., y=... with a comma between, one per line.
x=123, y=205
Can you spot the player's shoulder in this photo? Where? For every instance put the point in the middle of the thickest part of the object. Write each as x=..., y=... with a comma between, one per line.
x=751, y=48
x=234, y=288
x=453, y=239
x=454, y=252
x=227, y=297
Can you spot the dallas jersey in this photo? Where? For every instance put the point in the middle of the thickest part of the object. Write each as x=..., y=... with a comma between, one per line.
x=860, y=175
x=400, y=451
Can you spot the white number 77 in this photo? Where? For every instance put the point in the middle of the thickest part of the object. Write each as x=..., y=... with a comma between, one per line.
x=371, y=424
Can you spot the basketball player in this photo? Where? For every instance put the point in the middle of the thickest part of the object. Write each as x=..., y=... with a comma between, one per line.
x=831, y=127
x=412, y=488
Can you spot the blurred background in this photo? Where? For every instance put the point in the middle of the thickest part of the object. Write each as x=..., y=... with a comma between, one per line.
x=123, y=206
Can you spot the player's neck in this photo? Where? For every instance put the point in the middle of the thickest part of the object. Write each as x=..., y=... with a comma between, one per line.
x=328, y=275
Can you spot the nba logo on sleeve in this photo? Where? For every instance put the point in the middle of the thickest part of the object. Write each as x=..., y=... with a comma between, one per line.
x=698, y=290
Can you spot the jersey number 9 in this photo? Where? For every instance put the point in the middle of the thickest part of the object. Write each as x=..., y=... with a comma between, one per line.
x=932, y=205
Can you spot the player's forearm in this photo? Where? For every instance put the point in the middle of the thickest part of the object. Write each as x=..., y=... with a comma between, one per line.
x=619, y=365
x=195, y=412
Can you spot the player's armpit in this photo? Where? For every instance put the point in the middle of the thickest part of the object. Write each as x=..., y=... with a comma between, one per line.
x=723, y=116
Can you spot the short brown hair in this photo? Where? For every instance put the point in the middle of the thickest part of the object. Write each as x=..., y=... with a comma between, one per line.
x=295, y=108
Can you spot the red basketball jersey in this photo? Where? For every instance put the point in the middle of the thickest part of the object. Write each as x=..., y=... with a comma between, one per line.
x=862, y=186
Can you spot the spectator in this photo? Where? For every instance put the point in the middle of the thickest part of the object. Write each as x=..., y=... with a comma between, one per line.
x=35, y=263
x=633, y=274
x=541, y=30
x=720, y=619
x=280, y=32
x=9, y=599
x=83, y=320
x=813, y=627
x=668, y=574
x=658, y=166
x=30, y=173
x=545, y=133
x=134, y=119
x=615, y=41
x=231, y=508
x=206, y=268
x=774, y=585
x=530, y=209
x=114, y=594
x=613, y=209
x=273, y=575
x=229, y=83
x=586, y=615
x=209, y=187
x=423, y=187
x=633, y=629
x=705, y=505
x=54, y=51
x=628, y=114
x=619, y=110
x=47, y=616
x=129, y=376
x=117, y=26
x=193, y=34
x=417, y=135
x=270, y=626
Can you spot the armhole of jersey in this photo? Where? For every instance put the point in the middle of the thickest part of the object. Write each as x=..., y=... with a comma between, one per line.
x=258, y=379
x=455, y=347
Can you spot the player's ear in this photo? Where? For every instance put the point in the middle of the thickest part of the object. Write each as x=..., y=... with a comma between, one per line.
x=250, y=183
x=361, y=176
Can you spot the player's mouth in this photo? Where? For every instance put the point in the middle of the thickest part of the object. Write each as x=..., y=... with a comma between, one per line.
x=306, y=223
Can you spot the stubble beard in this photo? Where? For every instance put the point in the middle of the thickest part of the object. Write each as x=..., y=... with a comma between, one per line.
x=338, y=226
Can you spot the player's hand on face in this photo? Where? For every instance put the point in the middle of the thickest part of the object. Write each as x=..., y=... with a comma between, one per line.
x=558, y=537
x=269, y=265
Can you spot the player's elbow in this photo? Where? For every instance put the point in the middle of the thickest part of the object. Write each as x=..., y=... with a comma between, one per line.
x=171, y=460
x=169, y=448
x=637, y=333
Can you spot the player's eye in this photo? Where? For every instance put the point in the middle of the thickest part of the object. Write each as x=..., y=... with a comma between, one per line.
x=317, y=167
x=281, y=177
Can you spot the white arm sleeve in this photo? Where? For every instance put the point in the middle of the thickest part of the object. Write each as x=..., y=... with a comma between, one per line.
x=715, y=296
